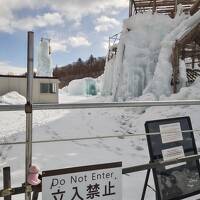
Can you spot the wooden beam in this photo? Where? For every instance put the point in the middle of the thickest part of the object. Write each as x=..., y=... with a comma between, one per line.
x=162, y=5
x=158, y=4
x=154, y=6
x=20, y=190
x=130, y=8
x=195, y=7
x=188, y=38
x=193, y=56
x=175, y=6
x=175, y=66
x=6, y=181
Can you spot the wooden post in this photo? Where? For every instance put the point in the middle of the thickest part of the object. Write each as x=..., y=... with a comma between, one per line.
x=194, y=7
x=130, y=8
x=175, y=65
x=175, y=7
x=6, y=181
x=109, y=49
x=193, y=55
x=154, y=6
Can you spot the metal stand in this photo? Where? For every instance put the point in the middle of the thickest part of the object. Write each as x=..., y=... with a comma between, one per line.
x=146, y=185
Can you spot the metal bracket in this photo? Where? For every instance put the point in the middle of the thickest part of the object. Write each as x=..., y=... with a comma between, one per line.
x=28, y=188
x=5, y=192
x=28, y=107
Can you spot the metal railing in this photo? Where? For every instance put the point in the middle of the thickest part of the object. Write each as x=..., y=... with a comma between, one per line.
x=4, y=140
x=100, y=105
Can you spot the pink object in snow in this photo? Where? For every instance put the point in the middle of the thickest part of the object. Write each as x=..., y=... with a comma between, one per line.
x=33, y=175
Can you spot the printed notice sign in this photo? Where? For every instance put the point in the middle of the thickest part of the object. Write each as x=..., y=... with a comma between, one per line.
x=179, y=180
x=101, y=182
x=171, y=132
x=173, y=153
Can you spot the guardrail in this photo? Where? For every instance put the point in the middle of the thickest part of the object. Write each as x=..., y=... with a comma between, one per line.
x=100, y=105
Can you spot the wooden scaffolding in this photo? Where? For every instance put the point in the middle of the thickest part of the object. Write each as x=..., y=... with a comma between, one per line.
x=168, y=7
x=187, y=49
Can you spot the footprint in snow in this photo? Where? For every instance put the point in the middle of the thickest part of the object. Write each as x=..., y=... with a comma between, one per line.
x=118, y=149
x=139, y=148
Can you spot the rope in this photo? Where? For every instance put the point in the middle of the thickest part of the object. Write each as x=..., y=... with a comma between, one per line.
x=122, y=136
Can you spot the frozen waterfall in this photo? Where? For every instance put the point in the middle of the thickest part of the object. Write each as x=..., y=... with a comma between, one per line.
x=44, y=58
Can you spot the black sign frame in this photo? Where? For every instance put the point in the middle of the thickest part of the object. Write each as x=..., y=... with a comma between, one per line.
x=153, y=127
x=57, y=172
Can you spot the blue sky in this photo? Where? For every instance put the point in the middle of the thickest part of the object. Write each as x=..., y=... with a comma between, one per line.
x=77, y=28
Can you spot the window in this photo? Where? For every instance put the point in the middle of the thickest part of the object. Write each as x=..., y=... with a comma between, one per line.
x=47, y=88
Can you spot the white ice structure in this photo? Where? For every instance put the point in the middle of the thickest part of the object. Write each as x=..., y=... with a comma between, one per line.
x=85, y=86
x=142, y=65
x=44, y=58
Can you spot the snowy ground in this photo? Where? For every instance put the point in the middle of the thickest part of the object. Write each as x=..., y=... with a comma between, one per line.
x=85, y=123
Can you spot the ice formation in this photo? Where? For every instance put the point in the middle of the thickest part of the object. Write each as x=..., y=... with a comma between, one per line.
x=160, y=84
x=86, y=86
x=142, y=65
x=44, y=58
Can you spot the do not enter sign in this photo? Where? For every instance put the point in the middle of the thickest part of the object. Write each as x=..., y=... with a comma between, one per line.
x=88, y=182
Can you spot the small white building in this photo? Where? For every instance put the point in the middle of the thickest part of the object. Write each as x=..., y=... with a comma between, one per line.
x=45, y=89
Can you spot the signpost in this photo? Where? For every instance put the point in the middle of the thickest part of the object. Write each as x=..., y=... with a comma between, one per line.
x=179, y=181
x=101, y=182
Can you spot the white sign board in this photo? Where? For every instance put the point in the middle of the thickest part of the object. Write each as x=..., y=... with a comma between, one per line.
x=101, y=182
x=173, y=153
x=171, y=132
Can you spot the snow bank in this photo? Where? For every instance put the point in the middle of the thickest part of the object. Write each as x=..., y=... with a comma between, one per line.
x=186, y=93
x=12, y=98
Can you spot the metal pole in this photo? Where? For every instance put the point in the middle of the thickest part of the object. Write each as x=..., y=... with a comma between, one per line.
x=28, y=107
x=115, y=105
x=145, y=184
x=101, y=105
